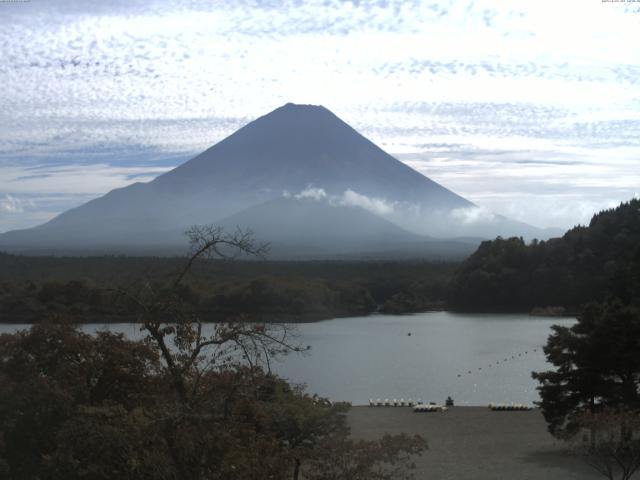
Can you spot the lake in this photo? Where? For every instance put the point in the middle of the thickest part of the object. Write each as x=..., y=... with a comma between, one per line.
x=474, y=358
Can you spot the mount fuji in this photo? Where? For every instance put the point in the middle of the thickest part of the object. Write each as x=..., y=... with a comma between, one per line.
x=300, y=178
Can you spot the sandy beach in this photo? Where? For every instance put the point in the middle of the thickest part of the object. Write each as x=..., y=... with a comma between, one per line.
x=476, y=443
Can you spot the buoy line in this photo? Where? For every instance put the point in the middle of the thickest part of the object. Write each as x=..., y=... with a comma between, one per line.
x=506, y=359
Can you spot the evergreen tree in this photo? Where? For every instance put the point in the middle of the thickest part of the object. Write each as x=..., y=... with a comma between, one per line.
x=597, y=364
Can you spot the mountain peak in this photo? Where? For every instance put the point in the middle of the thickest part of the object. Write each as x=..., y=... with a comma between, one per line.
x=297, y=112
x=301, y=105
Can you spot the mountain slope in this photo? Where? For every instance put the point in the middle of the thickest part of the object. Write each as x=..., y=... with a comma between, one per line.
x=317, y=228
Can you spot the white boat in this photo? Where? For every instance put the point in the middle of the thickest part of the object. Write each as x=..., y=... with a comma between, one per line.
x=425, y=407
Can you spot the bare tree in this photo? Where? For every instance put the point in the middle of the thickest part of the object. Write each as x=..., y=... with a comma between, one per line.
x=173, y=324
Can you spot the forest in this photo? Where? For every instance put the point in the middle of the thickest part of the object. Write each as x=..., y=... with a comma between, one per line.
x=589, y=263
x=87, y=289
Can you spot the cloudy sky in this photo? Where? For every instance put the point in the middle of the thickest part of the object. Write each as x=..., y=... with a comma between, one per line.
x=528, y=108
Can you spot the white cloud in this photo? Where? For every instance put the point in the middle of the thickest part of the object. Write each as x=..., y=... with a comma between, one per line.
x=543, y=186
x=473, y=215
x=312, y=193
x=374, y=205
x=349, y=197
x=11, y=204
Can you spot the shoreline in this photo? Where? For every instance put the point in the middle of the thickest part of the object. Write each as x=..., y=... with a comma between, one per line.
x=314, y=319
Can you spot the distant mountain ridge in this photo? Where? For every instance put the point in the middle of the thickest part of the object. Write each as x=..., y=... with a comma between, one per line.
x=287, y=152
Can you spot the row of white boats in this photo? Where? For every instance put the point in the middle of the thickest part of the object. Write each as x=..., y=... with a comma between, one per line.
x=393, y=403
x=510, y=407
x=418, y=406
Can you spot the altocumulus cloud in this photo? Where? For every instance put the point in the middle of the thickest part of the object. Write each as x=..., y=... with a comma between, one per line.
x=468, y=92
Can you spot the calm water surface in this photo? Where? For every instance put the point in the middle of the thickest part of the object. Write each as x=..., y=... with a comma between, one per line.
x=474, y=358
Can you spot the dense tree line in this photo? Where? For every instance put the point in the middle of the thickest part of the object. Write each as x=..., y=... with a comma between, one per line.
x=36, y=288
x=589, y=263
x=263, y=298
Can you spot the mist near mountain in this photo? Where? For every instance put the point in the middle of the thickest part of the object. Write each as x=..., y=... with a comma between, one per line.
x=299, y=177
